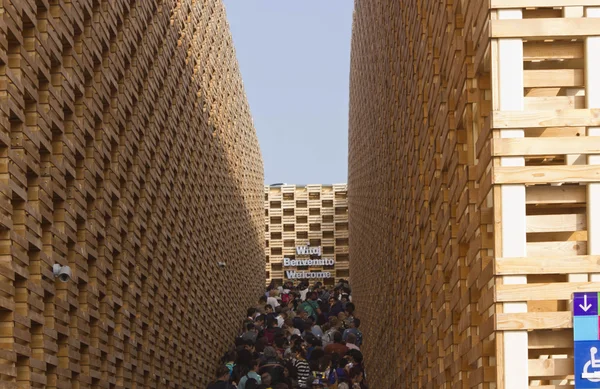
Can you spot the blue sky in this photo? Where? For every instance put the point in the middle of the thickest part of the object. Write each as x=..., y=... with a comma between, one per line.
x=295, y=61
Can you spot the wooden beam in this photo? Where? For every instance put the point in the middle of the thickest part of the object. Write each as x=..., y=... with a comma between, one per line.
x=543, y=51
x=548, y=265
x=548, y=78
x=504, y=4
x=543, y=291
x=545, y=174
x=566, y=194
x=544, y=119
x=544, y=28
x=545, y=146
x=510, y=85
x=553, y=223
x=532, y=321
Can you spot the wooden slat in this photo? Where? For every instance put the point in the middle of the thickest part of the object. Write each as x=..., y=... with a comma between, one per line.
x=560, y=222
x=544, y=119
x=533, y=321
x=538, y=292
x=556, y=249
x=550, y=367
x=544, y=28
x=543, y=51
x=545, y=174
x=565, y=194
x=547, y=78
x=502, y=147
x=503, y=4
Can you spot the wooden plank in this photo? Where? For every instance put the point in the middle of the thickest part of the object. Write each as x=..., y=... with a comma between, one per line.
x=543, y=51
x=566, y=194
x=556, y=249
x=548, y=78
x=554, y=103
x=503, y=4
x=510, y=85
x=544, y=28
x=545, y=146
x=546, y=118
x=533, y=321
x=546, y=291
x=545, y=174
x=550, y=367
x=560, y=222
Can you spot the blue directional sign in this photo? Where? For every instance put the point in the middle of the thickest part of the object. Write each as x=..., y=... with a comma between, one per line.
x=586, y=336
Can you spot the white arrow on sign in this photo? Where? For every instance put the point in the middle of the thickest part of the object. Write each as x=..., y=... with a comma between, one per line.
x=585, y=305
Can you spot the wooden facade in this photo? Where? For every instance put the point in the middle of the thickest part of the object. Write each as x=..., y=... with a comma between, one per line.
x=127, y=152
x=473, y=188
x=315, y=215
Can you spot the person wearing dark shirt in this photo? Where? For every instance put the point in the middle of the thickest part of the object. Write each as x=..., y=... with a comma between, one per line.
x=335, y=306
x=222, y=381
x=272, y=366
x=300, y=320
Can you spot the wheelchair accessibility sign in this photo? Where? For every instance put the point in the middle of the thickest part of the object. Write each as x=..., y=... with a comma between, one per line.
x=586, y=336
x=587, y=364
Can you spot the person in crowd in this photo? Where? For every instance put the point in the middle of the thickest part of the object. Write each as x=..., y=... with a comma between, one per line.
x=250, y=332
x=272, y=365
x=335, y=306
x=300, y=319
x=303, y=288
x=311, y=306
x=302, y=369
x=334, y=326
x=250, y=375
x=349, y=314
x=260, y=306
x=222, y=379
x=251, y=312
x=351, y=342
x=272, y=299
x=266, y=381
x=279, y=316
x=316, y=330
x=271, y=330
x=353, y=329
x=229, y=360
x=342, y=318
x=268, y=310
x=338, y=347
x=289, y=328
x=259, y=323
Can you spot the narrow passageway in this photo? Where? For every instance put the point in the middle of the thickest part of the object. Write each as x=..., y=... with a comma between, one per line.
x=297, y=336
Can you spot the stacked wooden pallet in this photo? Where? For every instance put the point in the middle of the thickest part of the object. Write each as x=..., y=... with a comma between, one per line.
x=315, y=215
x=479, y=239
x=127, y=152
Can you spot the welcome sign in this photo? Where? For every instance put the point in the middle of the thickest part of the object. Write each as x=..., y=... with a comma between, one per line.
x=308, y=250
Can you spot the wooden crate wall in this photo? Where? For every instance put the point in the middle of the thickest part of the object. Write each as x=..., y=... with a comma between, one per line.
x=297, y=215
x=476, y=240
x=127, y=152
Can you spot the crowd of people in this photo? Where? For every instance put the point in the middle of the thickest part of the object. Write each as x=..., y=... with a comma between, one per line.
x=297, y=337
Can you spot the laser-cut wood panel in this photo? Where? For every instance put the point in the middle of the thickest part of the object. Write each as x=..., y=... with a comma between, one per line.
x=472, y=181
x=127, y=152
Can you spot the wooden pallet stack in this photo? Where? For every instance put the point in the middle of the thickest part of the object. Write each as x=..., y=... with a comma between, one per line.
x=127, y=152
x=477, y=238
x=298, y=215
